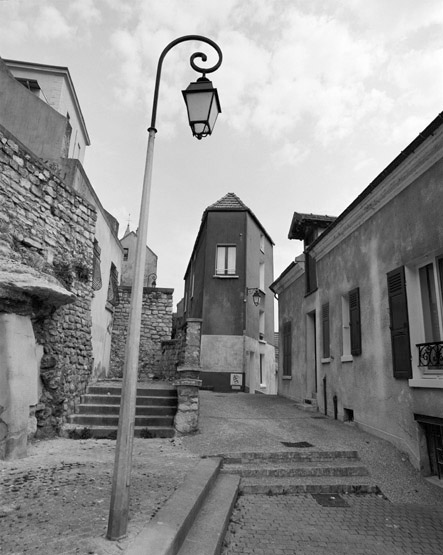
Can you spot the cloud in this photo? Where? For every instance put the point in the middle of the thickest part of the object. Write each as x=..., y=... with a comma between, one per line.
x=285, y=64
x=50, y=24
x=86, y=10
x=290, y=154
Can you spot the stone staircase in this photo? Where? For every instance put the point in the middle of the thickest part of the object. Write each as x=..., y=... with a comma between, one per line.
x=98, y=412
x=300, y=471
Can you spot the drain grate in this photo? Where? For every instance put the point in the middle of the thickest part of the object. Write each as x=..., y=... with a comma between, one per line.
x=330, y=500
x=299, y=444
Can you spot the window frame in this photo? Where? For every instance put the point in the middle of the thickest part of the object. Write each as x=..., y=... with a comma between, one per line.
x=225, y=271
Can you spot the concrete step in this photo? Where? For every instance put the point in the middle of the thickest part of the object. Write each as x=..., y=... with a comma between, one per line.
x=165, y=533
x=110, y=432
x=209, y=528
x=109, y=399
x=295, y=455
x=289, y=469
x=142, y=391
x=112, y=420
x=144, y=410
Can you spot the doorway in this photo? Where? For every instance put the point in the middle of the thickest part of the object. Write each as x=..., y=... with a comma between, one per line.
x=311, y=356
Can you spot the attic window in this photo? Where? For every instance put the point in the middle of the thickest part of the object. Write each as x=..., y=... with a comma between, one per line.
x=30, y=84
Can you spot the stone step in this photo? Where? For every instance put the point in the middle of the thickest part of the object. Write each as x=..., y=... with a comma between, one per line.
x=289, y=469
x=109, y=399
x=110, y=432
x=142, y=391
x=112, y=420
x=298, y=455
x=308, y=484
x=209, y=528
x=144, y=410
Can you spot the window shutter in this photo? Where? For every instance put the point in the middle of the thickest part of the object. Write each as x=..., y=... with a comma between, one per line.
x=354, y=321
x=325, y=328
x=287, y=348
x=398, y=312
x=310, y=273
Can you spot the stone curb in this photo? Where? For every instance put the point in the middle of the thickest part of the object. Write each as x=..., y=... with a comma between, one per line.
x=165, y=533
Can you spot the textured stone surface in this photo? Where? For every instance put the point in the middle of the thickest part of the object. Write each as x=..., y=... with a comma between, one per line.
x=46, y=245
x=156, y=326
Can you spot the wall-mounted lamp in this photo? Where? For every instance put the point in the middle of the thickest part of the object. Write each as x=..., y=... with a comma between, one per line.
x=154, y=280
x=255, y=294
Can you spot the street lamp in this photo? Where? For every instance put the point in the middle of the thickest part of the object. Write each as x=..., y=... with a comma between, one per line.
x=203, y=108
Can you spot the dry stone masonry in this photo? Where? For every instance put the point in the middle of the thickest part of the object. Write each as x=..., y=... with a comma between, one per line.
x=46, y=245
x=156, y=326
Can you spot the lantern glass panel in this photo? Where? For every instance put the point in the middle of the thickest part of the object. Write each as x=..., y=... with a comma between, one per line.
x=199, y=104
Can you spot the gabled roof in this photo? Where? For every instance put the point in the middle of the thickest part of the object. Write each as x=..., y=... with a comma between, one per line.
x=302, y=222
x=231, y=203
x=228, y=202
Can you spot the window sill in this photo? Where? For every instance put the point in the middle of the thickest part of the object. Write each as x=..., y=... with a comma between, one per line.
x=430, y=383
x=326, y=360
x=286, y=377
x=222, y=276
x=347, y=358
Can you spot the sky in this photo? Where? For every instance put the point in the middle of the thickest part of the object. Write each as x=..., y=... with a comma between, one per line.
x=317, y=98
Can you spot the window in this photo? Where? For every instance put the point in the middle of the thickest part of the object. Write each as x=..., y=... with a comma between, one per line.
x=125, y=254
x=113, y=286
x=262, y=276
x=351, y=328
x=287, y=349
x=354, y=321
x=226, y=259
x=262, y=366
x=261, y=325
x=96, y=273
x=431, y=286
x=262, y=242
x=399, y=324
x=325, y=330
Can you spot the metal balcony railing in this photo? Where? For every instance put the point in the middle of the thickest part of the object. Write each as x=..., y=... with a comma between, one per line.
x=430, y=354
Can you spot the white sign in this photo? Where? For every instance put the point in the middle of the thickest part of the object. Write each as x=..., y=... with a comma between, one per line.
x=236, y=380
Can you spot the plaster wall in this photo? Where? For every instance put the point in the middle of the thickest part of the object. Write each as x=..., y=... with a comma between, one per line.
x=19, y=375
x=35, y=124
x=129, y=242
x=56, y=89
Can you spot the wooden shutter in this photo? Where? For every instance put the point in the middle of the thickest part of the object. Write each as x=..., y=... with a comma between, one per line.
x=354, y=321
x=310, y=273
x=287, y=348
x=325, y=330
x=398, y=312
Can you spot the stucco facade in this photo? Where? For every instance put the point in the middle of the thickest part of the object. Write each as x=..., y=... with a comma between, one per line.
x=353, y=337
x=231, y=259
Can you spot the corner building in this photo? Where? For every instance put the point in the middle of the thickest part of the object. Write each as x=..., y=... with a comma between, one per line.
x=229, y=272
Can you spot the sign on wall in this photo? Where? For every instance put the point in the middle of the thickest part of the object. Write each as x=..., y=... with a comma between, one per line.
x=236, y=381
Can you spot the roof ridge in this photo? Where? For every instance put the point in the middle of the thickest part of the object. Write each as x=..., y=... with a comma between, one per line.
x=229, y=202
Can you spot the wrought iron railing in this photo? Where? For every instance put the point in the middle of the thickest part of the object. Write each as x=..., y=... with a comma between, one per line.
x=430, y=354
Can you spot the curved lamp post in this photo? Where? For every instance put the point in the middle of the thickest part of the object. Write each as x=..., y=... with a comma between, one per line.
x=203, y=108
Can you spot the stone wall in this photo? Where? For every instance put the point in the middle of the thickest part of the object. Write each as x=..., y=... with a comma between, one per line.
x=156, y=326
x=46, y=237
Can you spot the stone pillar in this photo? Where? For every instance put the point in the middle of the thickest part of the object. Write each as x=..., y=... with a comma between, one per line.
x=188, y=383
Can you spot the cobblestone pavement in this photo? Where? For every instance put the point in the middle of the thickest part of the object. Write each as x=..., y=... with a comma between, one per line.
x=298, y=524
x=56, y=501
